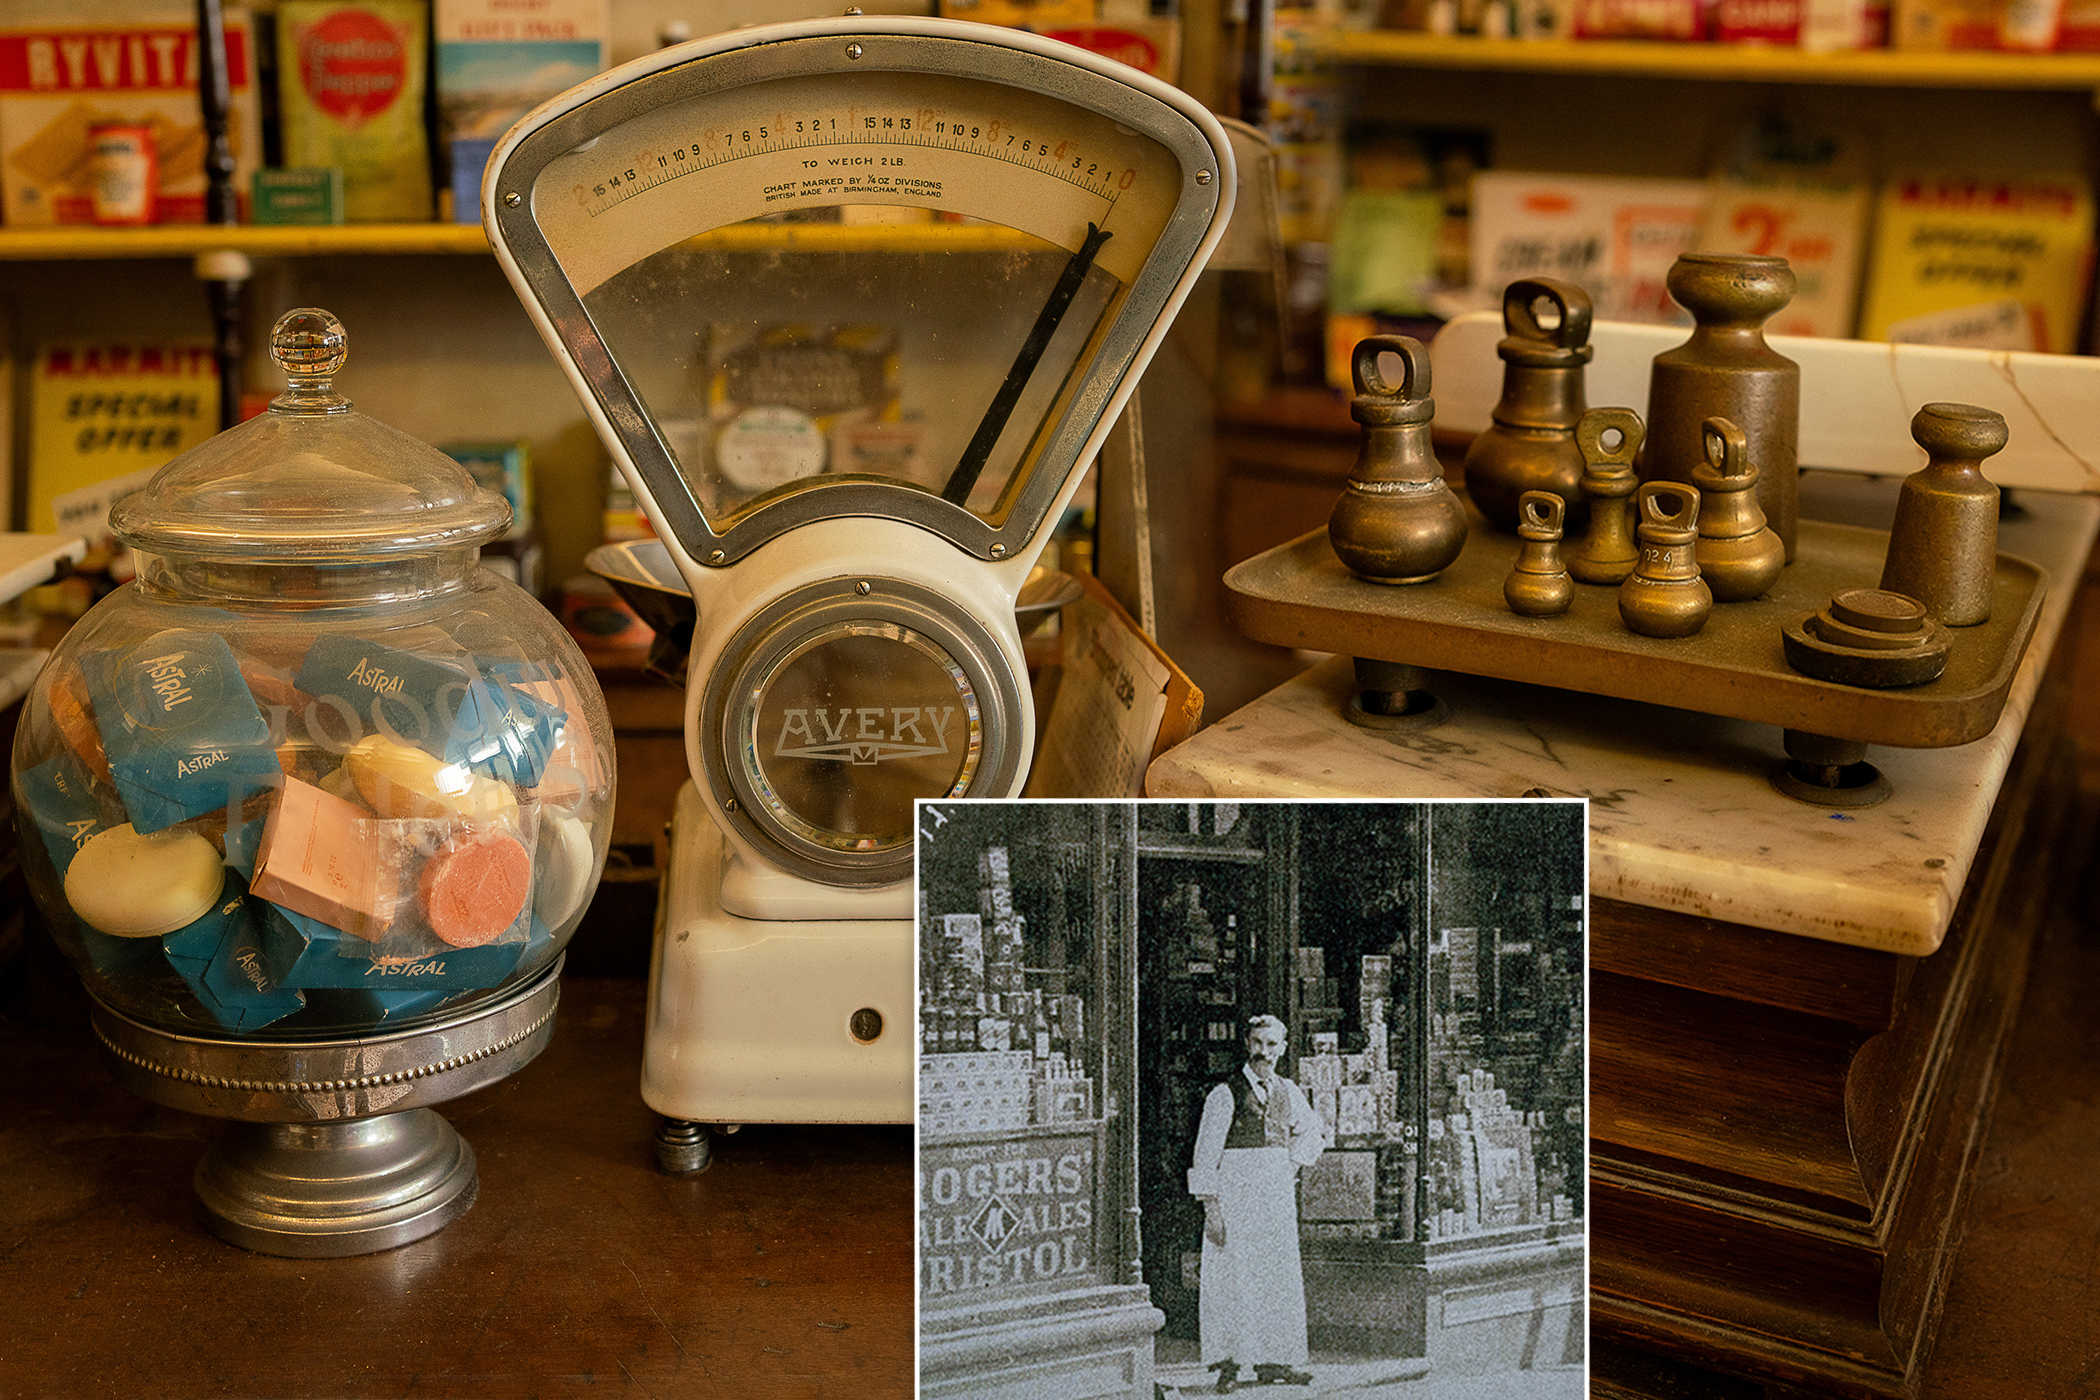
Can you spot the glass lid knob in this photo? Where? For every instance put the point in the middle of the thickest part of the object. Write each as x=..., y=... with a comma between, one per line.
x=311, y=347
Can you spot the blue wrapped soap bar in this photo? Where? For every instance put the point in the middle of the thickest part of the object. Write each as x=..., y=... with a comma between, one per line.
x=218, y=956
x=180, y=728
x=58, y=800
x=312, y=954
x=403, y=695
x=503, y=732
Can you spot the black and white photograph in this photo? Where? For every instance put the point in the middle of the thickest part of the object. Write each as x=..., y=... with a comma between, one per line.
x=1282, y=1097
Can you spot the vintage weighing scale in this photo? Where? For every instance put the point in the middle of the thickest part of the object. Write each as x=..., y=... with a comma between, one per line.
x=852, y=303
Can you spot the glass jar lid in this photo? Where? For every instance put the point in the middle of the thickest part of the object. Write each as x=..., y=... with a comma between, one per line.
x=311, y=480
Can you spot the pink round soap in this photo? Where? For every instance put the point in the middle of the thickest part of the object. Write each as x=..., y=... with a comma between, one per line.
x=474, y=888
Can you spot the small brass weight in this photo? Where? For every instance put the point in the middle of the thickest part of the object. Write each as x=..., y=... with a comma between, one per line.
x=1397, y=521
x=1665, y=597
x=1610, y=441
x=1739, y=555
x=1537, y=585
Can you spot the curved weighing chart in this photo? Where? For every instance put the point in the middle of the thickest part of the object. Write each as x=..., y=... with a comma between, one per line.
x=1019, y=159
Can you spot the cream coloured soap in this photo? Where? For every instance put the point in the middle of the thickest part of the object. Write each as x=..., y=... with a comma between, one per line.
x=562, y=861
x=400, y=781
x=144, y=886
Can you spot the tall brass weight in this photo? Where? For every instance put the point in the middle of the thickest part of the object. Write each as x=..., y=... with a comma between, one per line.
x=1726, y=370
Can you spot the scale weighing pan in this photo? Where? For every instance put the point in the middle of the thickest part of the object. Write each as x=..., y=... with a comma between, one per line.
x=853, y=303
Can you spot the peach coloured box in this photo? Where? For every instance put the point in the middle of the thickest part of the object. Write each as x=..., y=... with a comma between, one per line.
x=317, y=858
x=179, y=727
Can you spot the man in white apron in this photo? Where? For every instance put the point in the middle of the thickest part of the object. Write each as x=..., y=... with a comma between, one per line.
x=1257, y=1130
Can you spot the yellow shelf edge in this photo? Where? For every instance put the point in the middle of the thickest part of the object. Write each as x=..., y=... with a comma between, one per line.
x=259, y=240
x=1720, y=62
x=344, y=240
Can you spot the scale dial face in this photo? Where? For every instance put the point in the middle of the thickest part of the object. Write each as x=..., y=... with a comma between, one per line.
x=897, y=269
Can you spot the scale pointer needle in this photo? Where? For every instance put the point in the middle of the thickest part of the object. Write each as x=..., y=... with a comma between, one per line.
x=964, y=478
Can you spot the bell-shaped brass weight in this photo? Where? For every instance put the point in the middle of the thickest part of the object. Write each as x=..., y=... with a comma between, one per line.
x=1665, y=597
x=1397, y=521
x=1943, y=546
x=1530, y=444
x=1739, y=555
x=1537, y=585
x=1609, y=440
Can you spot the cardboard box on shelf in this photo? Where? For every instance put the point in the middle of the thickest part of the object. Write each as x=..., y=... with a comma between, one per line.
x=1944, y=24
x=66, y=65
x=351, y=78
x=1614, y=237
x=495, y=60
x=1988, y=262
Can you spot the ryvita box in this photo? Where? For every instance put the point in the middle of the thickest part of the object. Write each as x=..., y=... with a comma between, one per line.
x=68, y=64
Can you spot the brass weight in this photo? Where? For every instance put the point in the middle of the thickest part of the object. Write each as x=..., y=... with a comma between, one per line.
x=1530, y=443
x=1943, y=546
x=1665, y=597
x=1727, y=370
x=1397, y=521
x=1609, y=440
x=1538, y=585
x=1739, y=556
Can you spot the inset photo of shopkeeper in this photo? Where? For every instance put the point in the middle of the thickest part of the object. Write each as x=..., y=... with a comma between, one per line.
x=1283, y=1098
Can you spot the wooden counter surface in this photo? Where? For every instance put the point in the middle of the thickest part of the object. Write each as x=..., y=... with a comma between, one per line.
x=784, y=1270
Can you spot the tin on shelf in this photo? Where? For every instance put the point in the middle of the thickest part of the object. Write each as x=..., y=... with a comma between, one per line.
x=125, y=170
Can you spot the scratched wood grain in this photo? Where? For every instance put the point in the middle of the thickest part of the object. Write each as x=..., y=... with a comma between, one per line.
x=783, y=1271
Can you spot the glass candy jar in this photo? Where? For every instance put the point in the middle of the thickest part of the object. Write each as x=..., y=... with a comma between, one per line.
x=313, y=807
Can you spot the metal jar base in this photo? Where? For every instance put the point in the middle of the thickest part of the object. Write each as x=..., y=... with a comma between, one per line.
x=335, y=1148
x=327, y=1190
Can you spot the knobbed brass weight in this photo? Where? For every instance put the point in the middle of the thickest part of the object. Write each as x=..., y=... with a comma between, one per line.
x=1943, y=546
x=1739, y=556
x=1665, y=597
x=1726, y=369
x=1609, y=440
x=1530, y=444
x=1397, y=521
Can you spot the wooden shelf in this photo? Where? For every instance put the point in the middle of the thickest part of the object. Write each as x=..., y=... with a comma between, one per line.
x=342, y=240
x=1722, y=62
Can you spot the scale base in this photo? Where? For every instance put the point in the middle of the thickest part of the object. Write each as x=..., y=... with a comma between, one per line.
x=771, y=1020
x=329, y=1190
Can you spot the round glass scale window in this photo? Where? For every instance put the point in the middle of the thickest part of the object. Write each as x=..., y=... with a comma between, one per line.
x=839, y=708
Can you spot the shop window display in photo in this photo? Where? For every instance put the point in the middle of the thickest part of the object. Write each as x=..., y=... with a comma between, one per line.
x=1217, y=1096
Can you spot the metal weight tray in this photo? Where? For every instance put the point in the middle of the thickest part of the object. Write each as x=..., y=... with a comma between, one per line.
x=1300, y=595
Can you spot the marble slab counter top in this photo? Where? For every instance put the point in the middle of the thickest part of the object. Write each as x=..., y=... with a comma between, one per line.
x=1683, y=815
